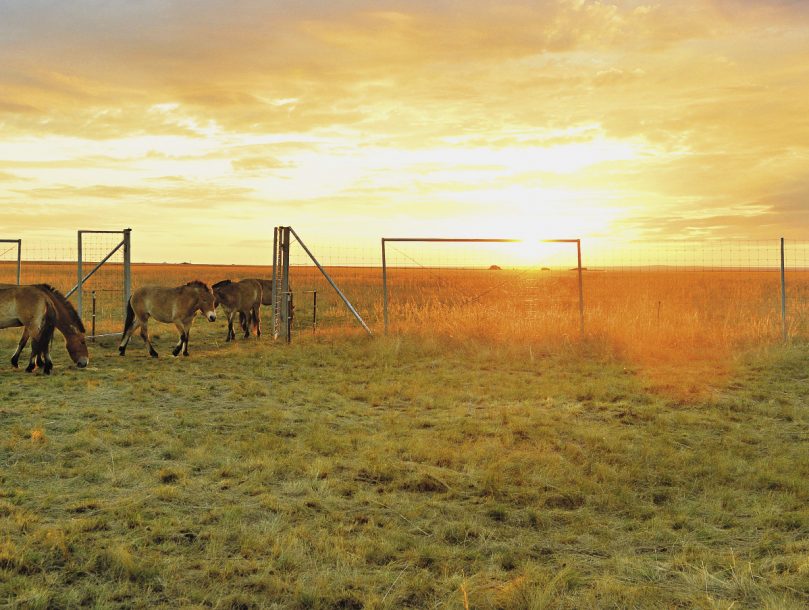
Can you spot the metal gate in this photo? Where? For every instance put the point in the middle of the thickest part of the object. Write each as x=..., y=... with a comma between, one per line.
x=113, y=314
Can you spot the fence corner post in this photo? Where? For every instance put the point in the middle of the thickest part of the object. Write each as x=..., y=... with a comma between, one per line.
x=784, y=328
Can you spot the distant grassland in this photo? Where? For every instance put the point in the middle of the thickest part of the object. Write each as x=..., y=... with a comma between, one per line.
x=402, y=472
x=656, y=310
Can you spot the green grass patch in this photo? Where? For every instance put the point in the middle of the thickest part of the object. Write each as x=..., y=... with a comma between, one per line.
x=392, y=473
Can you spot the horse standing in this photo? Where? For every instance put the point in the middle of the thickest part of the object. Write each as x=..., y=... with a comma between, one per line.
x=39, y=309
x=244, y=298
x=169, y=305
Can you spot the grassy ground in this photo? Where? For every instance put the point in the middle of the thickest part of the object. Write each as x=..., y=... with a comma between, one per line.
x=390, y=473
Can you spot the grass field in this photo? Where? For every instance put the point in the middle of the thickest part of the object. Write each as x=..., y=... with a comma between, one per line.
x=404, y=472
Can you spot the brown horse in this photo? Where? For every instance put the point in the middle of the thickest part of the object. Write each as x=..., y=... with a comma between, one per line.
x=169, y=305
x=266, y=290
x=243, y=298
x=39, y=309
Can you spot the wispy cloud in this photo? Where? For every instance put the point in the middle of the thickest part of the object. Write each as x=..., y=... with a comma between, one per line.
x=416, y=109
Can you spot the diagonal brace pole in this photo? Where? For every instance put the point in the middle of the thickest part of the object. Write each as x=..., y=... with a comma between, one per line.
x=333, y=285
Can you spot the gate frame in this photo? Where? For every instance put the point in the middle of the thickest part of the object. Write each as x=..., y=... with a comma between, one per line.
x=19, y=255
x=474, y=240
x=280, y=272
x=126, y=244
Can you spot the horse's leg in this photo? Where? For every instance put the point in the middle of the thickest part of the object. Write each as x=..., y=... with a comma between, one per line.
x=144, y=333
x=128, y=332
x=178, y=348
x=187, y=333
x=44, y=357
x=244, y=318
x=36, y=335
x=127, y=336
x=231, y=334
x=15, y=359
x=256, y=311
x=31, y=363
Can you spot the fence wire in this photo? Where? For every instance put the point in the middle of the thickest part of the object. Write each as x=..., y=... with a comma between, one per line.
x=356, y=271
x=8, y=260
x=665, y=292
x=490, y=288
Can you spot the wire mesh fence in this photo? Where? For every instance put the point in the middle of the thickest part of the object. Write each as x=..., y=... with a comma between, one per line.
x=10, y=267
x=56, y=263
x=355, y=271
x=653, y=293
x=489, y=288
x=796, y=263
x=101, y=300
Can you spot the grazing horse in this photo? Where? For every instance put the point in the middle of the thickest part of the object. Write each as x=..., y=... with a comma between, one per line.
x=244, y=298
x=178, y=305
x=39, y=309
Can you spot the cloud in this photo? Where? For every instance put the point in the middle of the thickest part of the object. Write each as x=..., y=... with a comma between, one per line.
x=252, y=164
x=196, y=106
x=170, y=192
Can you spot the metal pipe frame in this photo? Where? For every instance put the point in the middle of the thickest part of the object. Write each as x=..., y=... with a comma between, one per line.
x=126, y=244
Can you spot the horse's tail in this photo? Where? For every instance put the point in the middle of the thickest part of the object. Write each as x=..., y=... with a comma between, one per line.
x=130, y=316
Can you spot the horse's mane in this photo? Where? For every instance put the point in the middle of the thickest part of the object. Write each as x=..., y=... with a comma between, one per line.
x=59, y=297
x=198, y=284
x=222, y=283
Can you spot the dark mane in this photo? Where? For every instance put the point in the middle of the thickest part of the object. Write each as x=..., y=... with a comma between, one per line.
x=198, y=284
x=59, y=297
x=222, y=283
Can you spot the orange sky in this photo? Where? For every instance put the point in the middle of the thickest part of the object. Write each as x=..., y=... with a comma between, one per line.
x=202, y=125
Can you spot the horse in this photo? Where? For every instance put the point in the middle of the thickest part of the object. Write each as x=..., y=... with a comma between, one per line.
x=266, y=289
x=39, y=309
x=169, y=305
x=244, y=298
x=266, y=295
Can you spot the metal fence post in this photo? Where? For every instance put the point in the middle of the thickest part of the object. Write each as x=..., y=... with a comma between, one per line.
x=284, y=255
x=93, y=337
x=79, y=278
x=784, y=330
x=581, y=289
x=314, y=311
x=384, y=286
x=19, y=260
x=127, y=267
x=274, y=289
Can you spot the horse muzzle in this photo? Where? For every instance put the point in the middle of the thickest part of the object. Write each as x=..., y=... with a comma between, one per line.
x=211, y=317
x=82, y=362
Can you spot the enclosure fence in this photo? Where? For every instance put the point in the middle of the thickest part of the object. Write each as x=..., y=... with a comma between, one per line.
x=95, y=273
x=663, y=293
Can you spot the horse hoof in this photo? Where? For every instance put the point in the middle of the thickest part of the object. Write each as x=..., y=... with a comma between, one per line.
x=185, y=353
x=29, y=369
x=15, y=363
x=46, y=370
x=153, y=354
x=121, y=351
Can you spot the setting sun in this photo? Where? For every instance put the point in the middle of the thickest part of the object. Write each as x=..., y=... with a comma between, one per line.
x=560, y=118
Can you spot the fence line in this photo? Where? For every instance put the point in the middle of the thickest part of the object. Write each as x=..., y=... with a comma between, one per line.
x=658, y=292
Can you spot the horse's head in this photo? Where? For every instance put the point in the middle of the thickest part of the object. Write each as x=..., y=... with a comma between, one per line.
x=206, y=301
x=220, y=292
x=77, y=348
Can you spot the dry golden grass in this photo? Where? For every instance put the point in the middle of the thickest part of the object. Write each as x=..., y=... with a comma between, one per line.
x=399, y=473
x=666, y=321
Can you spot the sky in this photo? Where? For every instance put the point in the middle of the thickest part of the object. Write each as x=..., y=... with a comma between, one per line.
x=201, y=124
